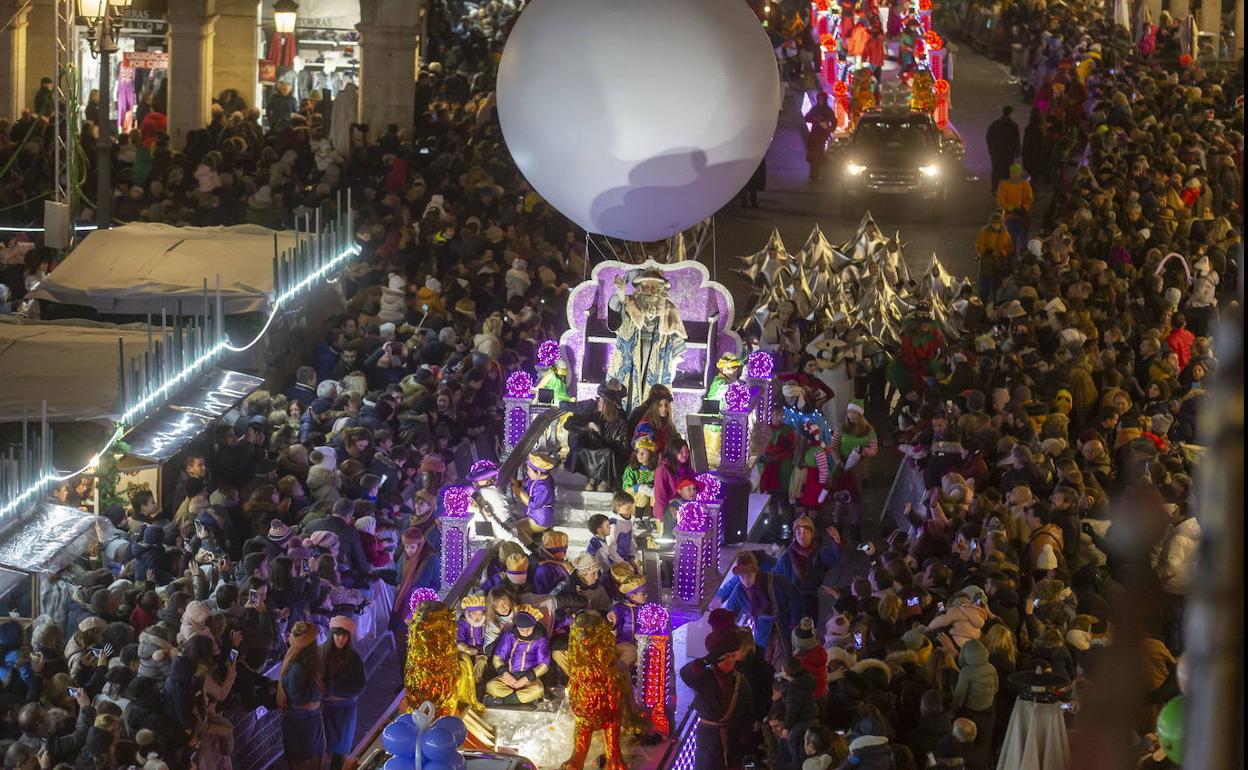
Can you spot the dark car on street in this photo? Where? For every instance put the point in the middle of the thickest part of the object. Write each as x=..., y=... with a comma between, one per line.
x=898, y=154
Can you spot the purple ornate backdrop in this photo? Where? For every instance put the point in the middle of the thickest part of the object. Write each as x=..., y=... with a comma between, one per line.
x=587, y=343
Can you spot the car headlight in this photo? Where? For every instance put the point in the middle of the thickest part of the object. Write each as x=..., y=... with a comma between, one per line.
x=929, y=170
x=854, y=169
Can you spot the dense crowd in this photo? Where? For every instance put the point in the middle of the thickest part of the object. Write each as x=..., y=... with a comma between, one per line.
x=1057, y=410
x=1065, y=401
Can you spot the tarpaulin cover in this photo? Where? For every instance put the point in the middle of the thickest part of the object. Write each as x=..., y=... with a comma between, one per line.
x=70, y=364
x=146, y=268
x=50, y=538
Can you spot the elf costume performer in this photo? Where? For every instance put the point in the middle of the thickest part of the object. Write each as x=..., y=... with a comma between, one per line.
x=553, y=568
x=595, y=691
x=810, y=483
x=854, y=441
x=638, y=479
x=776, y=459
x=921, y=343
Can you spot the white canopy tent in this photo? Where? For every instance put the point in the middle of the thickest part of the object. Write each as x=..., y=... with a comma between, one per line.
x=145, y=268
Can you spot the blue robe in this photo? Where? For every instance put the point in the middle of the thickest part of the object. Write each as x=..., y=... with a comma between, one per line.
x=777, y=609
x=821, y=560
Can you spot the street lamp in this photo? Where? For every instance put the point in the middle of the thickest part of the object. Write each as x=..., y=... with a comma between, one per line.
x=285, y=12
x=102, y=18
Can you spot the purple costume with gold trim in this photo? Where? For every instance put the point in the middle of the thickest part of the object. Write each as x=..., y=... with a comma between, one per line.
x=470, y=636
x=541, y=508
x=521, y=656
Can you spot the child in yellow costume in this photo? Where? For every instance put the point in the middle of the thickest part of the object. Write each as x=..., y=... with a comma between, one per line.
x=595, y=691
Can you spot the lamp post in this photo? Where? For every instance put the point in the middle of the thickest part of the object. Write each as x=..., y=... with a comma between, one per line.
x=101, y=17
x=285, y=12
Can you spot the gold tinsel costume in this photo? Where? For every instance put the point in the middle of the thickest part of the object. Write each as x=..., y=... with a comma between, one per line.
x=426, y=677
x=922, y=98
x=595, y=692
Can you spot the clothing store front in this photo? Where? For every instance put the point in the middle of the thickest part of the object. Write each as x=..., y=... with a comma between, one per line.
x=138, y=69
x=319, y=59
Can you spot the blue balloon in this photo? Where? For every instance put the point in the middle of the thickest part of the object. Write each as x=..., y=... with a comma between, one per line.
x=456, y=726
x=438, y=744
x=407, y=718
x=399, y=763
x=399, y=738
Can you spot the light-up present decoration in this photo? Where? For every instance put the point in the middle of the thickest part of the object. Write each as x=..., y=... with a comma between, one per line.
x=518, y=395
x=456, y=539
x=547, y=354
x=735, y=423
x=710, y=495
x=840, y=103
x=759, y=365
x=709, y=488
x=520, y=384
x=421, y=595
x=654, y=664
x=694, y=548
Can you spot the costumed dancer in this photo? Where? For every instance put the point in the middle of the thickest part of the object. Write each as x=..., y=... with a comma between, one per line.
x=537, y=495
x=470, y=634
x=805, y=562
x=771, y=601
x=521, y=657
x=854, y=441
x=723, y=701
x=810, y=482
x=344, y=681
x=638, y=478
x=595, y=692
x=921, y=344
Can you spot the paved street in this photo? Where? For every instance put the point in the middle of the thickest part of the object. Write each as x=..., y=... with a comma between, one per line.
x=794, y=205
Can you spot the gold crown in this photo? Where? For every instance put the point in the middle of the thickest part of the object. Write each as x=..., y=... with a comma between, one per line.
x=632, y=584
x=531, y=611
x=517, y=562
x=472, y=602
x=553, y=538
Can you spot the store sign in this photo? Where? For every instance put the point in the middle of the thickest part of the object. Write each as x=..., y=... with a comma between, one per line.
x=146, y=10
x=321, y=14
x=147, y=60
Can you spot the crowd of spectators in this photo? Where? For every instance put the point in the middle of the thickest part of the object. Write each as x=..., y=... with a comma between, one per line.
x=1056, y=414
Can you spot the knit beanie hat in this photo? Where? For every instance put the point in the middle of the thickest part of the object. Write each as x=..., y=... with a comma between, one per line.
x=1047, y=559
x=804, y=636
x=279, y=533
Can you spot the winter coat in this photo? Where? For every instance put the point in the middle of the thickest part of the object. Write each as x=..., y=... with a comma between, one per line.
x=1175, y=560
x=965, y=622
x=874, y=754
x=155, y=656
x=800, y=707
x=179, y=693
x=977, y=680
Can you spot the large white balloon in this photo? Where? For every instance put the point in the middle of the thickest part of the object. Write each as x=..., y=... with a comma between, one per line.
x=638, y=118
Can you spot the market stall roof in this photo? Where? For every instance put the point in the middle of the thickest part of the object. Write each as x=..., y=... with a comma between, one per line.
x=49, y=538
x=146, y=268
x=189, y=413
x=70, y=364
